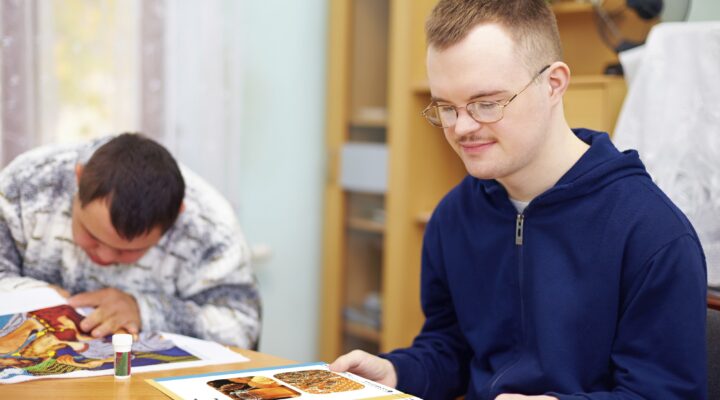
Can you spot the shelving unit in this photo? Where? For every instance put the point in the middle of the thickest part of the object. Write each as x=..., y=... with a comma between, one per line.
x=377, y=89
x=593, y=99
x=572, y=7
x=354, y=220
x=366, y=225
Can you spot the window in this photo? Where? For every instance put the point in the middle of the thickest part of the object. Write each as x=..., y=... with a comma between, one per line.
x=71, y=70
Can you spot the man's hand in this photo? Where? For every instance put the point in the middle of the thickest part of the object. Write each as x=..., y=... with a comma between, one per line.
x=114, y=310
x=368, y=366
x=522, y=397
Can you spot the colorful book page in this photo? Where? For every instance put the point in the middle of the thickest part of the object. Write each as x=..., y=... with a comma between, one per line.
x=304, y=381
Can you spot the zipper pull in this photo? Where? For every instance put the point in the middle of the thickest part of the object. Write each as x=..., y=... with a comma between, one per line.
x=519, y=229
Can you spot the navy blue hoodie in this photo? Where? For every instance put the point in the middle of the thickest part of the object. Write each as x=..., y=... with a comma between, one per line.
x=596, y=291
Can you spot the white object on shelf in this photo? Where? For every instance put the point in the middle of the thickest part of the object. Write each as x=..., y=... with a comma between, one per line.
x=364, y=167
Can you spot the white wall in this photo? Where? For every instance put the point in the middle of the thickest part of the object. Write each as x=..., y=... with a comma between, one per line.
x=704, y=10
x=282, y=161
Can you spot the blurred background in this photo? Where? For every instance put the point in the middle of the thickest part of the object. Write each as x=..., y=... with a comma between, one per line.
x=236, y=89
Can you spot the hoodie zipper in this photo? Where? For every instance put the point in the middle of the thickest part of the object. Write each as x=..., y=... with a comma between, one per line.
x=519, y=229
x=519, y=226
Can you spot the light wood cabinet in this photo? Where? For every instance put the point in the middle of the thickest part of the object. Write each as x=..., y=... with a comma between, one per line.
x=377, y=88
x=354, y=221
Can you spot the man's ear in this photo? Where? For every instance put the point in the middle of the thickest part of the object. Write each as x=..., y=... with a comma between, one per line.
x=78, y=172
x=182, y=208
x=558, y=81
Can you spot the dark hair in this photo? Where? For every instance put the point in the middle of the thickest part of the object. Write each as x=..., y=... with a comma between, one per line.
x=530, y=23
x=139, y=179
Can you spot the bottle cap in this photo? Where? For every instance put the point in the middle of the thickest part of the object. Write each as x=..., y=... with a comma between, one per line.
x=122, y=339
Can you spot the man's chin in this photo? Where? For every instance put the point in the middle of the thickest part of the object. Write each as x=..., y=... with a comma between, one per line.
x=480, y=172
x=99, y=261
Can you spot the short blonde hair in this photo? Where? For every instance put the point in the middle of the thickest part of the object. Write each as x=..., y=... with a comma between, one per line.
x=530, y=23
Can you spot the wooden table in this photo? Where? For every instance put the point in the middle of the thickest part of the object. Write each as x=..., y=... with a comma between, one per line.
x=106, y=387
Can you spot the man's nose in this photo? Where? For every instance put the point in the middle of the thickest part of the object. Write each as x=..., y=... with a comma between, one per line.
x=106, y=254
x=465, y=124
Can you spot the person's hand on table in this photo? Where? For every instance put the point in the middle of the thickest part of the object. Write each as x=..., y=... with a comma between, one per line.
x=114, y=311
x=368, y=366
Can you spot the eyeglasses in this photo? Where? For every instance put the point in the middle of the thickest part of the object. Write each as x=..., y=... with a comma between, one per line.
x=486, y=112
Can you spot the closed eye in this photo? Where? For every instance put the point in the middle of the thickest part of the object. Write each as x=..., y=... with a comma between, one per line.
x=486, y=104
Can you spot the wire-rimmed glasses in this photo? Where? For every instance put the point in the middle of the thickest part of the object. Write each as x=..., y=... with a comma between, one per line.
x=486, y=112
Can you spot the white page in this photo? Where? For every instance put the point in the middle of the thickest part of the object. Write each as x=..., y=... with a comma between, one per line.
x=209, y=352
x=30, y=299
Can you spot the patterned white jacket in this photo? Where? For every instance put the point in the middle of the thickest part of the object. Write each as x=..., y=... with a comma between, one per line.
x=196, y=281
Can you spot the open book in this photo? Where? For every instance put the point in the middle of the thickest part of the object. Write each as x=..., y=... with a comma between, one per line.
x=304, y=381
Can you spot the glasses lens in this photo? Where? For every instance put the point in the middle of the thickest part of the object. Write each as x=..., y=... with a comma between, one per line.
x=433, y=116
x=485, y=111
x=448, y=115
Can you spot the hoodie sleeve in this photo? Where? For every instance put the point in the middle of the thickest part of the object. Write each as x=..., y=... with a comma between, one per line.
x=659, y=349
x=436, y=366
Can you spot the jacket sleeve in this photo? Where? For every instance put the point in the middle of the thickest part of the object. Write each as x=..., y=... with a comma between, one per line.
x=436, y=366
x=659, y=349
x=13, y=240
x=216, y=299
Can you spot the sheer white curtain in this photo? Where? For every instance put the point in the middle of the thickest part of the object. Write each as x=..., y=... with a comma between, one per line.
x=73, y=69
x=671, y=116
x=203, y=90
x=69, y=71
x=17, y=78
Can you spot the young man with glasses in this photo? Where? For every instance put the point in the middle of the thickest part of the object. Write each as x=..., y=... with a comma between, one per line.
x=556, y=269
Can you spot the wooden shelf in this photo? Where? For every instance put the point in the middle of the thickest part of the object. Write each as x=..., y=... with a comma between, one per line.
x=361, y=331
x=366, y=225
x=369, y=116
x=571, y=7
x=360, y=122
x=595, y=79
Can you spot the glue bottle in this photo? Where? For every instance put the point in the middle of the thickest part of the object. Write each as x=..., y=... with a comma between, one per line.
x=122, y=344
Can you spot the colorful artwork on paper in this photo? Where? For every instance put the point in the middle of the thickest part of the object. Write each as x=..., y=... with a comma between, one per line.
x=302, y=381
x=253, y=388
x=314, y=381
x=47, y=342
x=318, y=381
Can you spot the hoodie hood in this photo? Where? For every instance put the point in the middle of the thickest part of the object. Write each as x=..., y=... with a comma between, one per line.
x=601, y=165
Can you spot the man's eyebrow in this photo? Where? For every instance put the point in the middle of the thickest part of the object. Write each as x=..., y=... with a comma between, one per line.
x=105, y=244
x=434, y=99
x=485, y=93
